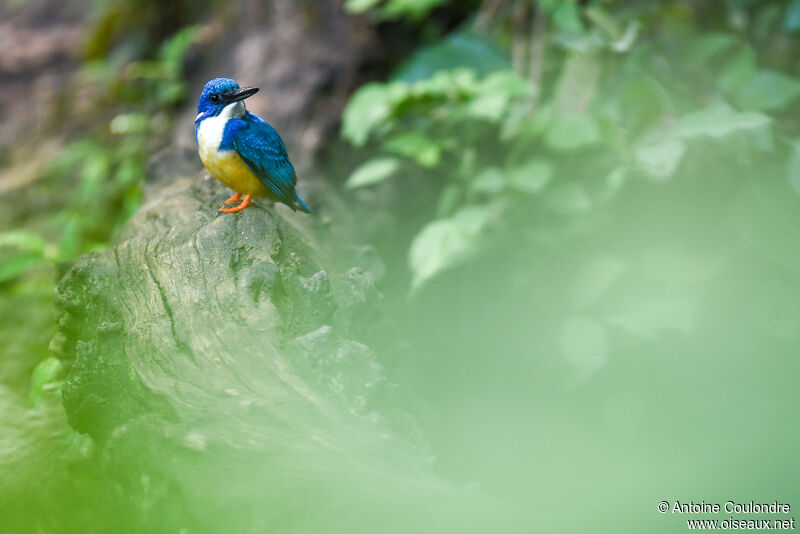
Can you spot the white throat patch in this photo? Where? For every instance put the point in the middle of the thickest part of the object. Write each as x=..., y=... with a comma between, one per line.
x=209, y=133
x=236, y=109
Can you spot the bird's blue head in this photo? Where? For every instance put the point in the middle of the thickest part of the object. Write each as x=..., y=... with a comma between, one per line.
x=219, y=93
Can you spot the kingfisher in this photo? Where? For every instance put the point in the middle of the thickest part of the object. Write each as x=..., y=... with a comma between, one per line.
x=241, y=149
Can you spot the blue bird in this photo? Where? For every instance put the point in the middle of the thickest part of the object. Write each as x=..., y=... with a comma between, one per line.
x=241, y=150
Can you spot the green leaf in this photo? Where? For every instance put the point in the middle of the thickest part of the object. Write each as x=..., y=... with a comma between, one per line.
x=446, y=243
x=94, y=174
x=768, y=90
x=496, y=92
x=449, y=85
x=491, y=107
x=716, y=121
x=577, y=84
x=506, y=82
x=565, y=15
x=449, y=200
x=661, y=159
x=128, y=173
x=705, y=49
x=371, y=106
x=531, y=177
x=458, y=49
x=415, y=145
x=414, y=9
x=491, y=180
x=169, y=93
x=71, y=239
x=628, y=37
x=17, y=264
x=23, y=240
x=641, y=102
x=32, y=250
x=737, y=71
x=360, y=6
x=572, y=132
x=372, y=172
x=129, y=123
x=604, y=21
x=174, y=48
x=579, y=42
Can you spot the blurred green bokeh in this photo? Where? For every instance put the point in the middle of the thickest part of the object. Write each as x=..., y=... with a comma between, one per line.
x=590, y=220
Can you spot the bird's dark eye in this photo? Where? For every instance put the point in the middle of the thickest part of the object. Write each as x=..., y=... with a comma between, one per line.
x=215, y=98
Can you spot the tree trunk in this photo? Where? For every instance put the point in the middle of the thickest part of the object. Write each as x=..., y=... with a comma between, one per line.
x=218, y=367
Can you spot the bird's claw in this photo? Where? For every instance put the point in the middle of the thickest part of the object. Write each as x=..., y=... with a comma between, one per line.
x=243, y=203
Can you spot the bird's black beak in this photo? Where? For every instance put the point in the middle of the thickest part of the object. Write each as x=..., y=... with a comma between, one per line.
x=240, y=94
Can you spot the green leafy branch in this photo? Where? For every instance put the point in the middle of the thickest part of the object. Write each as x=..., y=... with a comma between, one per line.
x=392, y=9
x=107, y=166
x=617, y=104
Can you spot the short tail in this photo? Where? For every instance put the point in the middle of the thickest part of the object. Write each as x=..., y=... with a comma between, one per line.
x=299, y=204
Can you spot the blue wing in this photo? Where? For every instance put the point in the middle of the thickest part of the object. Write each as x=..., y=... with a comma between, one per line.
x=262, y=149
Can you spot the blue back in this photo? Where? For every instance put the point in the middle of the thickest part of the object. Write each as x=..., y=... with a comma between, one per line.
x=262, y=149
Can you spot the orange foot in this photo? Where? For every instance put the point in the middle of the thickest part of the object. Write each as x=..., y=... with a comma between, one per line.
x=235, y=198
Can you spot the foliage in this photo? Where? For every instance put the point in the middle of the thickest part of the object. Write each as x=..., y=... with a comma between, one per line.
x=446, y=242
x=30, y=249
x=109, y=163
x=454, y=50
x=391, y=9
x=619, y=96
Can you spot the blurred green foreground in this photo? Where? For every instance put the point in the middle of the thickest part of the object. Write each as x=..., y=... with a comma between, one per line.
x=584, y=219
